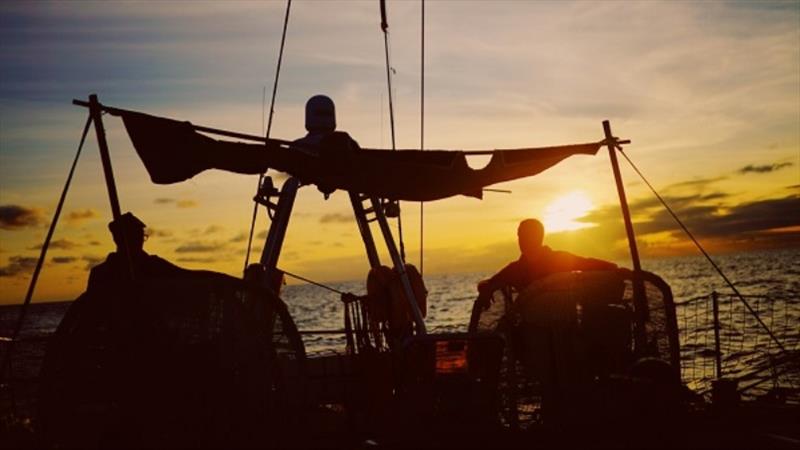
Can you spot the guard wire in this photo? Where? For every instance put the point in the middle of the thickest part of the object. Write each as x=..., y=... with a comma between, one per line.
x=703, y=251
x=385, y=29
x=42, y=255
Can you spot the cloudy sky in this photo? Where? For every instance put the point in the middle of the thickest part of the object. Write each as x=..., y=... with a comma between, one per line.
x=708, y=91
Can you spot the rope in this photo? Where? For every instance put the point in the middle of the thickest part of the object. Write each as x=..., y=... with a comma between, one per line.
x=43, y=254
x=385, y=29
x=315, y=283
x=703, y=251
x=269, y=128
x=422, y=131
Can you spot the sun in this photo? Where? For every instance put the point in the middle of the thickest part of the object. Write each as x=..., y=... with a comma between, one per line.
x=562, y=213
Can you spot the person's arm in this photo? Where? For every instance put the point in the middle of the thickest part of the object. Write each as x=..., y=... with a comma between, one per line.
x=580, y=263
x=499, y=280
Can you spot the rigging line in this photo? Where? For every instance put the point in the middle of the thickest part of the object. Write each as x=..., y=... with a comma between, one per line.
x=332, y=289
x=43, y=254
x=702, y=250
x=422, y=131
x=385, y=29
x=269, y=127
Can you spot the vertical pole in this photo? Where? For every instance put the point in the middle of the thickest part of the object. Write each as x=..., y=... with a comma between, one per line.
x=96, y=113
x=717, y=351
x=639, y=299
x=363, y=228
x=399, y=266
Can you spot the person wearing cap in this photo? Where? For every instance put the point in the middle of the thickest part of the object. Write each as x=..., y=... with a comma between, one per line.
x=130, y=261
x=536, y=261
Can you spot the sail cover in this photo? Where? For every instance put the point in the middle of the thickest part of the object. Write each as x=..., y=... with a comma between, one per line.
x=174, y=151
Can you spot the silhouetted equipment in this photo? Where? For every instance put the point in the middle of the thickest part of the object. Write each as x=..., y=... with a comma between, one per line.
x=320, y=114
x=177, y=358
x=385, y=329
x=185, y=364
x=174, y=151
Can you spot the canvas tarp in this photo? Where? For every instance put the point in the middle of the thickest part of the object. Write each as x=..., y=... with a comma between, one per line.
x=174, y=151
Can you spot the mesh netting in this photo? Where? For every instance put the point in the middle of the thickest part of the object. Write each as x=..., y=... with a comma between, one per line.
x=578, y=325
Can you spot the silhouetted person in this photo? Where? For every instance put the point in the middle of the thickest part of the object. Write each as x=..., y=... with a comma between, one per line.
x=130, y=259
x=536, y=261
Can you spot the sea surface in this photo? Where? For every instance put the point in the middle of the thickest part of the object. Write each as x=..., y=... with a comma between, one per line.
x=769, y=280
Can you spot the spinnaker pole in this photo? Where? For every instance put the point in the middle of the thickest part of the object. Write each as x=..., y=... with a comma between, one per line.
x=639, y=298
x=96, y=111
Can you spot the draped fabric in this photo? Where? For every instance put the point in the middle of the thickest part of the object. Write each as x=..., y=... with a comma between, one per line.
x=174, y=151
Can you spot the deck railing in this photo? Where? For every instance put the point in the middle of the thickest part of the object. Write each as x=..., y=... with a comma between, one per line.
x=720, y=338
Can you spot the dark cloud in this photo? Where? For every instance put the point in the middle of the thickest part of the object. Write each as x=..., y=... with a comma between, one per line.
x=767, y=168
x=336, y=218
x=13, y=217
x=158, y=232
x=241, y=237
x=18, y=265
x=212, y=229
x=703, y=220
x=200, y=247
x=79, y=215
x=61, y=244
x=64, y=259
x=262, y=235
x=94, y=243
x=179, y=203
x=752, y=217
x=698, y=183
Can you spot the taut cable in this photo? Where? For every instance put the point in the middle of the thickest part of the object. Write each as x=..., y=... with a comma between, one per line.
x=703, y=251
x=269, y=128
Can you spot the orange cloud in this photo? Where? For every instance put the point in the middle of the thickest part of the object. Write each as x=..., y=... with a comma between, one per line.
x=80, y=215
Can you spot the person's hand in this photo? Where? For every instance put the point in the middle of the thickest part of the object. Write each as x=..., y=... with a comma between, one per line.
x=485, y=297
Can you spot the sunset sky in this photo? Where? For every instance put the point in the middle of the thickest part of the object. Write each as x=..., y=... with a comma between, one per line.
x=708, y=91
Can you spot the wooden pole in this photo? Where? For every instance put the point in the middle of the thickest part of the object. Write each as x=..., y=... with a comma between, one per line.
x=639, y=298
x=96, y=111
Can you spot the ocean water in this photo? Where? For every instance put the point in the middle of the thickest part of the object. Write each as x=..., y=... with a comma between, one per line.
x=769, y=280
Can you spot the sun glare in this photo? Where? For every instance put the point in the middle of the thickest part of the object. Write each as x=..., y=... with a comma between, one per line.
x=562, y=213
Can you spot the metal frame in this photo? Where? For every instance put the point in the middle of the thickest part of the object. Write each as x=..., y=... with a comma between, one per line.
x=280, y=222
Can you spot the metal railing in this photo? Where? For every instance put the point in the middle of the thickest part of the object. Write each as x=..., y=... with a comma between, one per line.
x=720, y=338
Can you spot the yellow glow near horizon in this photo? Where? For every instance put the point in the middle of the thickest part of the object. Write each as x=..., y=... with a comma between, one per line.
x=562, y=213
